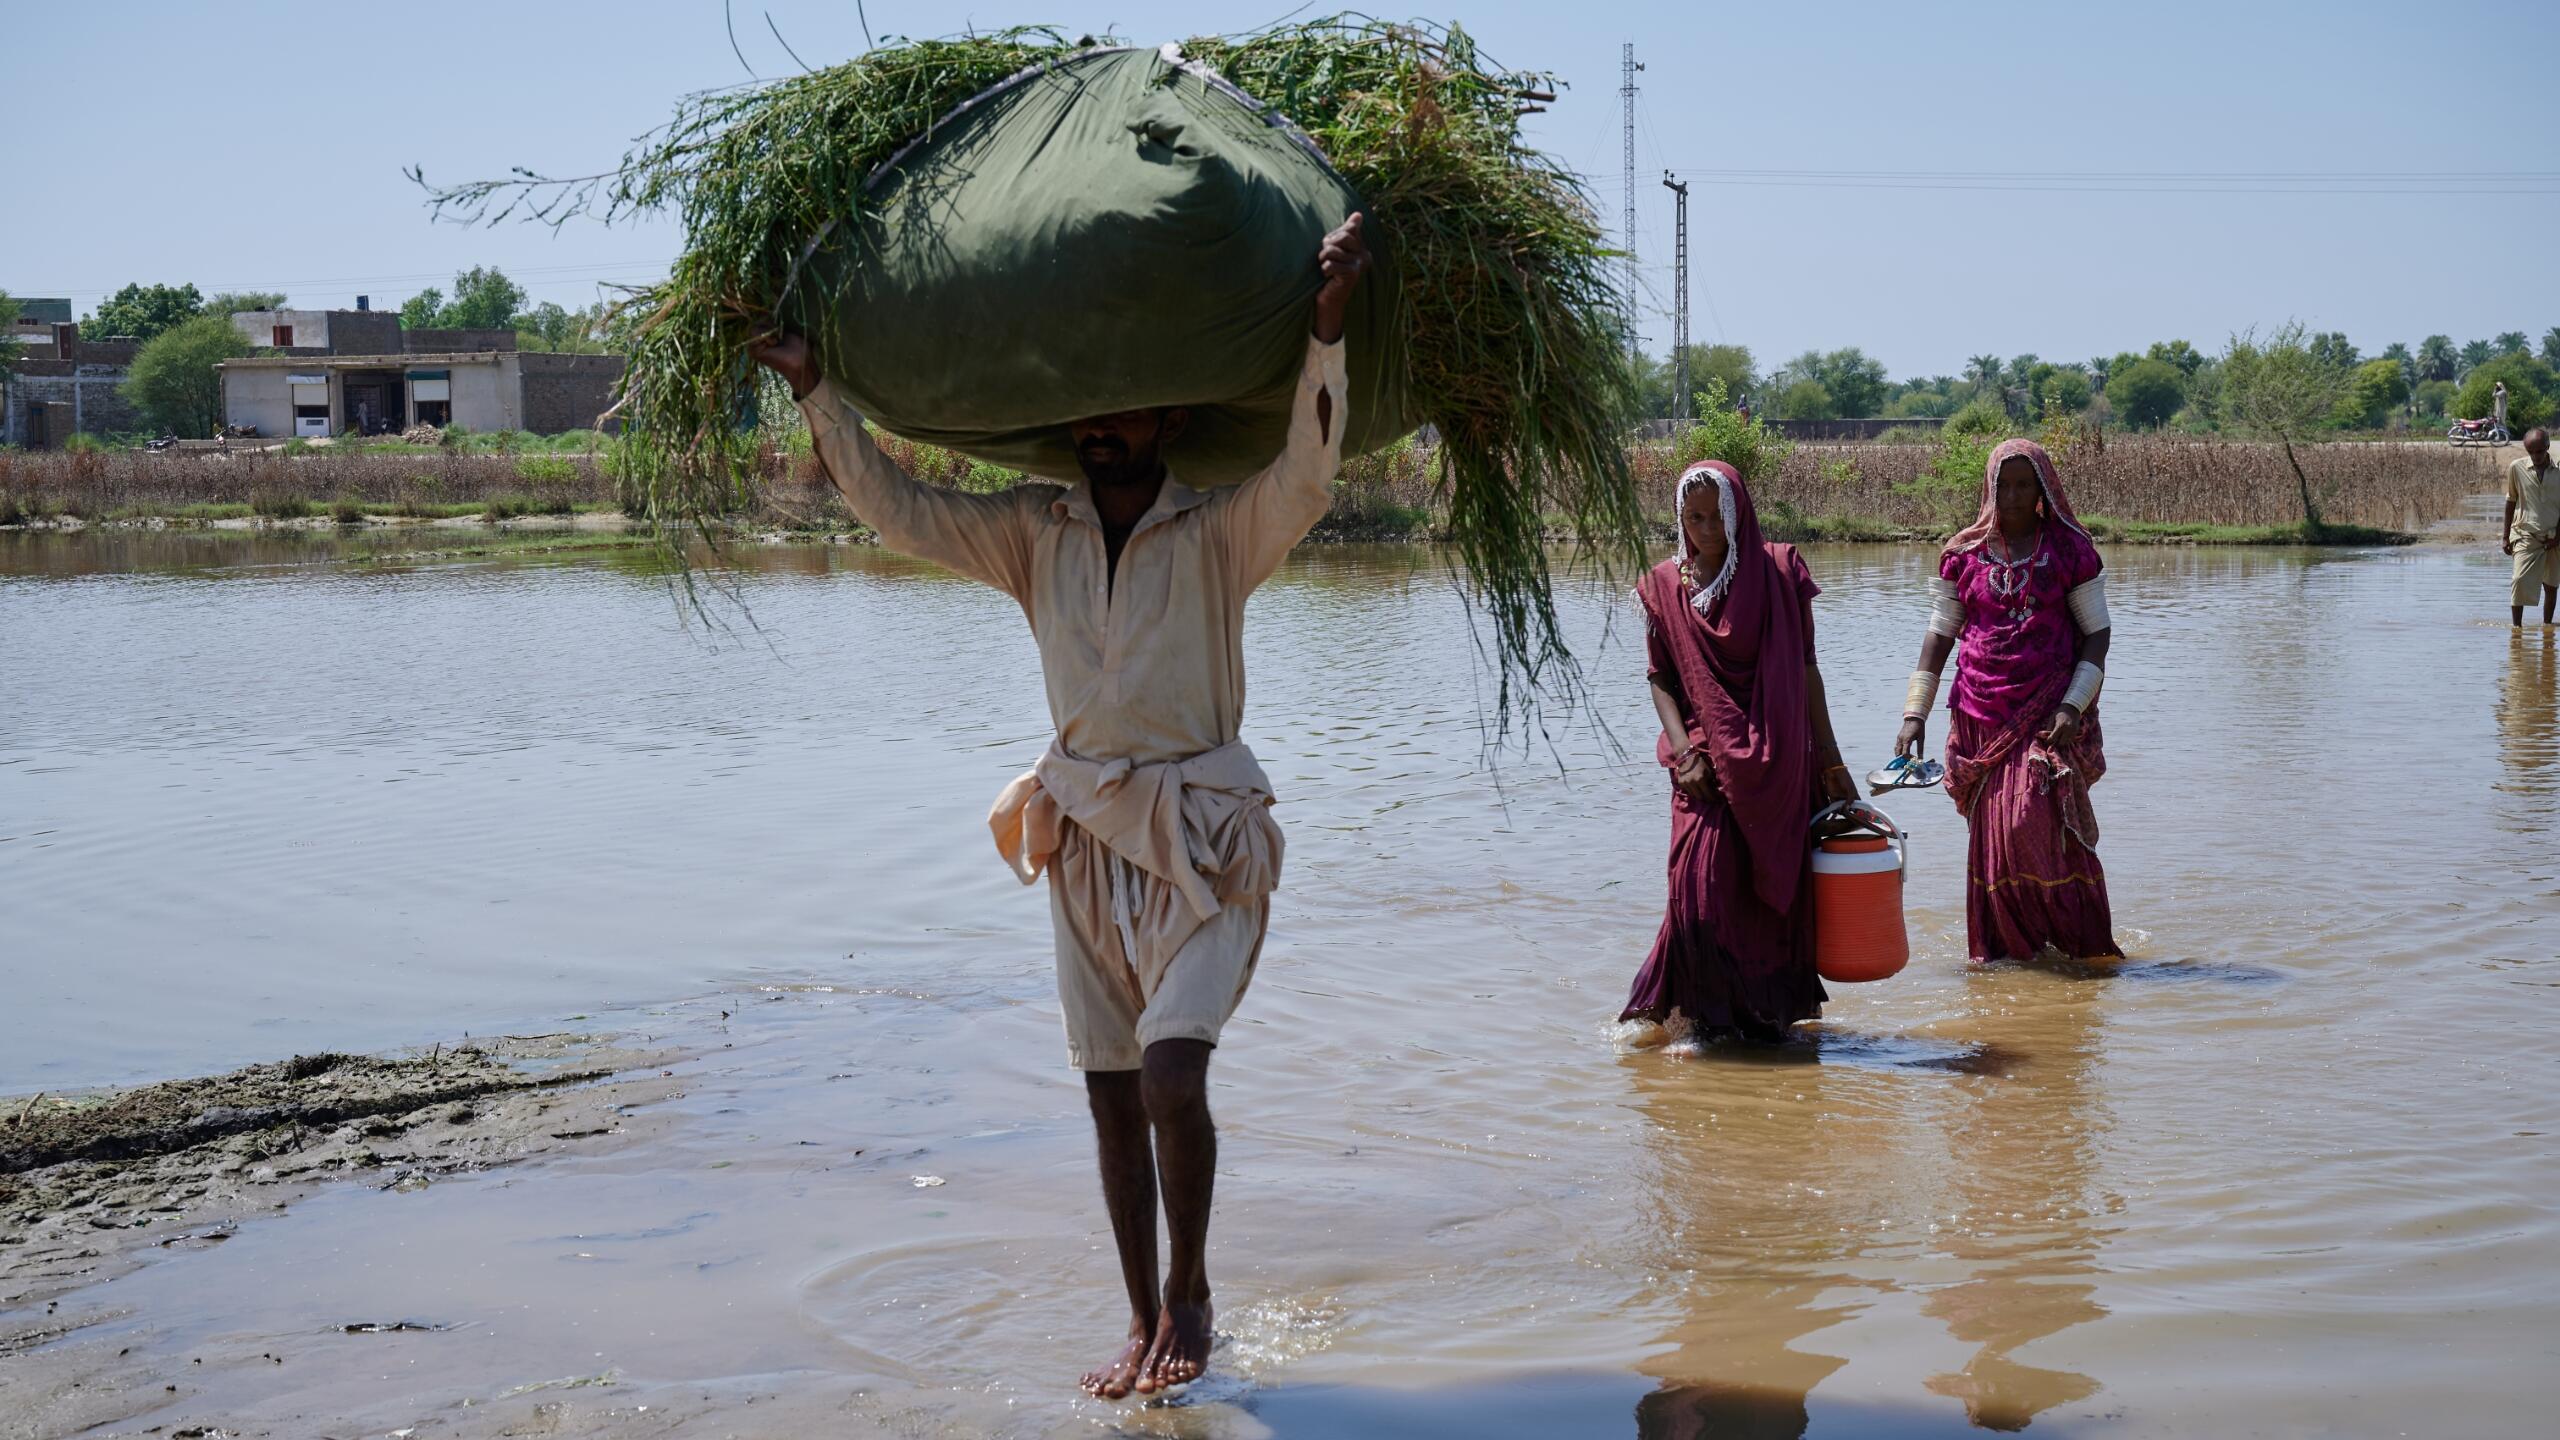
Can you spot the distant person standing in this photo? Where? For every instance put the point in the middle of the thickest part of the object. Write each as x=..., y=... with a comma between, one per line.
x=2531, y=529
x=2498, y=405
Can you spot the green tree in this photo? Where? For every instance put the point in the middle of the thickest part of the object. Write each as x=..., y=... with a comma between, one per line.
x=2551, y=346
x=2065, y=387
x=1805, y=400
x=1982, y=372
x=2398, y=354
x=483, y=299
x=1729, y=364
x=2531, y=385
x=2277, y=388
x=2147, y=392
x=2332, y=347
x=1919, y=402
x=1853, y=381
x=2512, y=342
x=142, y=311
x=2436, y=358
x=2186, y=357
x=232, y=302
x=419, y=311
x=2377, y=388
x=174, y=379
x=2434, y=397
x=2474, y=355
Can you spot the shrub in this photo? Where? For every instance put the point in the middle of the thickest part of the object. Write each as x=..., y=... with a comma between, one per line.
x=346, y=510
x=2530, y=385
x=84, y=444
x=1982, y=417
x=546, y=471
x=1721, y=434
x=280, y=505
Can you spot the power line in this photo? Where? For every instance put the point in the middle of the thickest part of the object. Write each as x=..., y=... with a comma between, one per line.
x=2142, y=182
x=544, y=274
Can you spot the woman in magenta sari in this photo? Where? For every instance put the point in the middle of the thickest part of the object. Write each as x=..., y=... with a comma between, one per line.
x=2021, y=589
x=1746, y=735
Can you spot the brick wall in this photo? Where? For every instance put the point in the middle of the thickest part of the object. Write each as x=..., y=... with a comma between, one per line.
x=443, y=342
x=362, y=332
x=94, y=391
x=567, y=392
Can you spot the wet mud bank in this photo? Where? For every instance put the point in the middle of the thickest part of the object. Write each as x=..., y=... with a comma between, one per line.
x=94, y=1186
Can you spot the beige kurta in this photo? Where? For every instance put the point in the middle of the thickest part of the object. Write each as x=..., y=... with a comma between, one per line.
x=1146, y=686
x=2535, y=536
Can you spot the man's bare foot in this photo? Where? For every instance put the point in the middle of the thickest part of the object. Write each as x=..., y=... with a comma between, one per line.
x=1115, y=1380
x=1181, y=1349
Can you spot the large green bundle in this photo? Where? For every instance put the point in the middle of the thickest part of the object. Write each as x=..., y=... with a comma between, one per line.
x=1108, y=231
x=981, y=247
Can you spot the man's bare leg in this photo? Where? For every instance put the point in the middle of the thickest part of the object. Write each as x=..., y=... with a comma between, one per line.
x=2550, y=596
x=1175, y=1080
x=1129, y=1194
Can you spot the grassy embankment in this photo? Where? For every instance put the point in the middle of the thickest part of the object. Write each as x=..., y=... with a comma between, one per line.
x=2129, y=489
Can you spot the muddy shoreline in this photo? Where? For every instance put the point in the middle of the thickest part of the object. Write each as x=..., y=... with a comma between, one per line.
x=96, y=1185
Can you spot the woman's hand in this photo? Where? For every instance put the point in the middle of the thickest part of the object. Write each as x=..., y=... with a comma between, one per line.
x=1913, y=737
x=1693, y=776
x=2064, y=729
x=1836, y=786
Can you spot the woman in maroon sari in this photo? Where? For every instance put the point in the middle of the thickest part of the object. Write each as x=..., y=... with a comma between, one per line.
x=2021, y=588
x=1746, y=735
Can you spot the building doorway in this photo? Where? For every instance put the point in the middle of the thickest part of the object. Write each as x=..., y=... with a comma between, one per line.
x=374, y=403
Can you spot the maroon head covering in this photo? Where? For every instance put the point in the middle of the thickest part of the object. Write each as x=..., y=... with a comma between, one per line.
x=1741, y=668
x=2056, y=502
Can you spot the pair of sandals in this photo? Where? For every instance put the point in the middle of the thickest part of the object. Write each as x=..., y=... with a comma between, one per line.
x=1904, y=773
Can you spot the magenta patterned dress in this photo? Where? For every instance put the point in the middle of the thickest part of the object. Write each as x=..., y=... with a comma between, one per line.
x=2032, y=872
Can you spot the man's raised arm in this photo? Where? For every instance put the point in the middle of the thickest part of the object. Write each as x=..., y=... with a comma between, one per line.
x=1276, y=508
x=981, y=536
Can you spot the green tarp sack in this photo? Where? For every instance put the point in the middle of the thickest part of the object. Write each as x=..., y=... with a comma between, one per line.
x=1115, y=231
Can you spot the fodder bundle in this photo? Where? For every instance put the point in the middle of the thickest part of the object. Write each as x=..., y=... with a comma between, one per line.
x=1502, y=324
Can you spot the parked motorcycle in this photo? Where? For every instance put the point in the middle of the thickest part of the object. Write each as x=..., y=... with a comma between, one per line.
x=2477, y=432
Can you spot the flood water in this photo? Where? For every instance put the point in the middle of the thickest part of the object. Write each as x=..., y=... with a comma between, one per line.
x=2290, y=1171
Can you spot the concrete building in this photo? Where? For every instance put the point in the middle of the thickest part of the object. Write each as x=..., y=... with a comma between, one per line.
x=481, y=390
x=32, y=319
x=67, y=386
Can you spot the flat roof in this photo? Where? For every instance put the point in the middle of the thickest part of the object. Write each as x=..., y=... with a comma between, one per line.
x=367, y=362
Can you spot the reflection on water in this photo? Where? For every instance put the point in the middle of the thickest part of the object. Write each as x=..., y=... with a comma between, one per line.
x=251, y=803
x=2529, y=727
x=1955, y=1165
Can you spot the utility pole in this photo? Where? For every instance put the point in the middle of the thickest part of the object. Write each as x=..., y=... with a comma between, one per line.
x=1679, y=291
x=1627, y=68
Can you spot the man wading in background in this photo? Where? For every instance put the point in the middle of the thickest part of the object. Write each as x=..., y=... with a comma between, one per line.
x=2531, y=526
x=1151, y=817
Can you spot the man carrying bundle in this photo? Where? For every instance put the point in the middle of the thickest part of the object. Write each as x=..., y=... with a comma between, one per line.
x=1148, y=813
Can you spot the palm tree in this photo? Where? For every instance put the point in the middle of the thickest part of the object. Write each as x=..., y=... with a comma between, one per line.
x=2512, y=342
x=2436, y=358
x=2474, y=355
x=1982, y=370
x=2097, y=368
x=2551, y=345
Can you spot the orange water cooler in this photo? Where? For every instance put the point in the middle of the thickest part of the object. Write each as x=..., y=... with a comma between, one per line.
x=1858, y=860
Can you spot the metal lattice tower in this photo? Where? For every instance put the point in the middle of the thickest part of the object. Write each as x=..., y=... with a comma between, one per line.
x=1627, y=69
x=1679, y=290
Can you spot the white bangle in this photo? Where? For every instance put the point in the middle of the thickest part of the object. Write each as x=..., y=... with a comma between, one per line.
x=2085, y=680
x=1922, y=696
x=2089, y=605
x=1946, y=611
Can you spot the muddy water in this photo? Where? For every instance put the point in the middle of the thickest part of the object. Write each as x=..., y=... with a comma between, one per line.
x=2288, y=1172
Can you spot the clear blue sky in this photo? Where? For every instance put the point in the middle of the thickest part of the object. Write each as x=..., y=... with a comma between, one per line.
x=259, y=145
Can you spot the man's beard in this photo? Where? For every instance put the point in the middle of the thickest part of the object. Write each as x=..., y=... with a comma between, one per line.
x=1108, y=465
